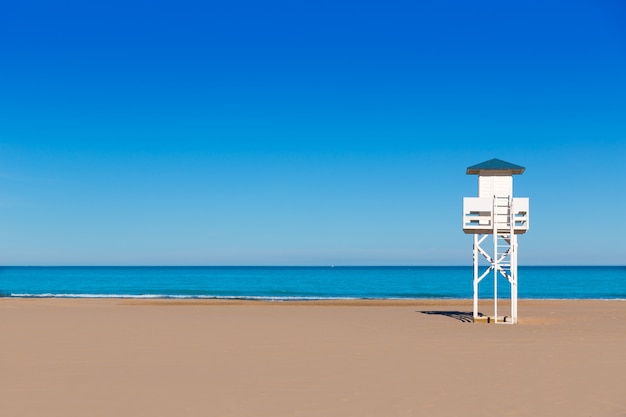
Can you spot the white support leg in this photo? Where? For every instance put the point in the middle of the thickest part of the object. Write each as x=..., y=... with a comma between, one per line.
x=514, y=278
x=495, y=277
x=494, y=223
x=475, y=254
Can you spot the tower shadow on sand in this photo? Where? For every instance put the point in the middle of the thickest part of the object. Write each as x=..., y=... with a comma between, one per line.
x=464, y=316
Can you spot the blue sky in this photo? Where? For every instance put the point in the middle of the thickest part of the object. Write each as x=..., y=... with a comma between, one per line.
x=306, y=132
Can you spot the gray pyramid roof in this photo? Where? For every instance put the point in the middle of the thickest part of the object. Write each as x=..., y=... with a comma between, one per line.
x=495, y=165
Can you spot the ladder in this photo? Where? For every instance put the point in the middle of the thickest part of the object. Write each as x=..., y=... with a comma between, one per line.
x=504, y=260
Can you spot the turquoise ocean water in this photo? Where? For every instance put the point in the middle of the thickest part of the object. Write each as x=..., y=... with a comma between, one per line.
x=288, y=283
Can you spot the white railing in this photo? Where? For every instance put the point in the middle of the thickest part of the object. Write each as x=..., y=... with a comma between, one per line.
x=478, y=215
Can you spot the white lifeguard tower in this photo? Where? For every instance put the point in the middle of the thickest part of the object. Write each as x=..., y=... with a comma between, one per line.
x=495, y=212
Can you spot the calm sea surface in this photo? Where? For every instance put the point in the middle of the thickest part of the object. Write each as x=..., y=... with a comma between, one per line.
x=286, y=283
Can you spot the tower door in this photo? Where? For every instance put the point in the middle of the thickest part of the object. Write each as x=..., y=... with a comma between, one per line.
x=498, y=185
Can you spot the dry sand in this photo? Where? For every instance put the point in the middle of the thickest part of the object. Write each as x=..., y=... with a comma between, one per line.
x=411, y=358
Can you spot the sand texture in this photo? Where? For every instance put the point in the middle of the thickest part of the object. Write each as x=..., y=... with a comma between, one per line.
x=137, y=358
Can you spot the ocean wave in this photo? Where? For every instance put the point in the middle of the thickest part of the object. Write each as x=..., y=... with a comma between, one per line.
x=279, y=298
x=160, y=296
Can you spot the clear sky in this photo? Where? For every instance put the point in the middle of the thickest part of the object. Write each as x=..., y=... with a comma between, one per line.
x=270, y=132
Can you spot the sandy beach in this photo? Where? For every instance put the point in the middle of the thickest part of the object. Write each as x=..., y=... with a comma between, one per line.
x=110, y=357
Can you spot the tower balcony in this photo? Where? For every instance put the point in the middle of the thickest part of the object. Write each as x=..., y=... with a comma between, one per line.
x=480, y=215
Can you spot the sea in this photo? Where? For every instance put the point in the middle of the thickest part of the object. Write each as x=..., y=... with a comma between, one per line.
x=307, y=283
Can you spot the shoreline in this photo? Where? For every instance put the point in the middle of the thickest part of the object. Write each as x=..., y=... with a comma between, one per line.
x=277, y=299
x=336, y=302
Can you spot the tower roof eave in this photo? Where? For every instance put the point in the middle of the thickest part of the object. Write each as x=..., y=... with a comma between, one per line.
x=495, y=165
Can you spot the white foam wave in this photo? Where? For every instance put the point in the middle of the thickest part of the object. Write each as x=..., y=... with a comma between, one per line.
x=259, y=297
x=52, y=295
x=160, y=296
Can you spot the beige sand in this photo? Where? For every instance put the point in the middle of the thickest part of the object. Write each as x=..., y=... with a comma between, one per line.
x=417, y=358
